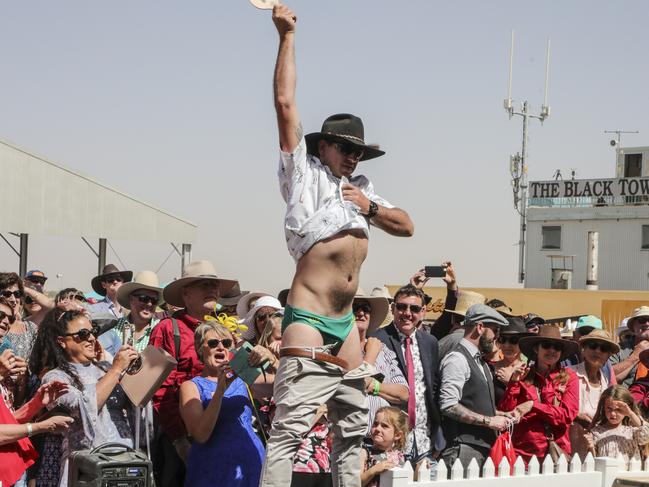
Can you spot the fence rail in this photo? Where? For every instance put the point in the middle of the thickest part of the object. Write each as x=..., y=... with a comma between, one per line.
x=592, y=472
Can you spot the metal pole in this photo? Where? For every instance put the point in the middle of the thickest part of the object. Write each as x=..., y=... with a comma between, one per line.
x=186, y=257
x=101, y=255
x=24, y=243
x=523, y=202
x=592, y=261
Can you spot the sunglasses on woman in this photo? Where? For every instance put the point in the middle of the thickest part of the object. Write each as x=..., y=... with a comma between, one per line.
x=263, y=316
x=551, y=345
x=83, y=334
x=214, y=342
x=402, y=307
x=7, y=294
x=502, y=339
x=604, y=347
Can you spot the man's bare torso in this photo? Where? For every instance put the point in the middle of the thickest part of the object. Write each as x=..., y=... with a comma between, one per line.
x=326, y=277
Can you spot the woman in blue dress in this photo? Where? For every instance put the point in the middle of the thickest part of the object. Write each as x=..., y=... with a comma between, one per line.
x=218, y=414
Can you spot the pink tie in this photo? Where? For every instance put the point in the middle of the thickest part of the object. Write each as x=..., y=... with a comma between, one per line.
x=411, y=385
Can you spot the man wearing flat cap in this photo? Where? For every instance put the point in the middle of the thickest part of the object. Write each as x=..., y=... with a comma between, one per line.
x=466, y=398
x=328, y=214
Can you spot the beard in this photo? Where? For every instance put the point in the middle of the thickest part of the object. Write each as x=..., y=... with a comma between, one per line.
x=487, y=345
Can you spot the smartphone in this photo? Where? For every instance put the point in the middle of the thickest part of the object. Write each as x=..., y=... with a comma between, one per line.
x=435, y=271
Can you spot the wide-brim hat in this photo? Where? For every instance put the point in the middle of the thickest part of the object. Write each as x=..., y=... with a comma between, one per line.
x=194, y=271
x=600, y=336
x=379, y=307
x=547, y=334
x=466, y=299
x=233, y=296
x=109, y=270
x=637, y=313
x=346, y=128
x=143, y=280
x=243, y=305
x=249, y=317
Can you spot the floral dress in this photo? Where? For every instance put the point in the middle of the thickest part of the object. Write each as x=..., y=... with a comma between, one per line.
x=621, y=440
x=376, y=456
x=311, y=464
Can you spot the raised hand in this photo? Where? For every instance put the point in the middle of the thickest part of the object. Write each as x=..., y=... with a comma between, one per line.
x=284, y=19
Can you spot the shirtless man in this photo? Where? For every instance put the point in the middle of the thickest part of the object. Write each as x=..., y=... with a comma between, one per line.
x=327, y=228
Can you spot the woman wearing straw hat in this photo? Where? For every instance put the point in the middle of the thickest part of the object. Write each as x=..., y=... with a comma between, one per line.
x=596, y=348
x=544, y=395
x=392, y=388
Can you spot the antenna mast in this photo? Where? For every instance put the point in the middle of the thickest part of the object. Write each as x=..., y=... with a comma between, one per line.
x=518, y=161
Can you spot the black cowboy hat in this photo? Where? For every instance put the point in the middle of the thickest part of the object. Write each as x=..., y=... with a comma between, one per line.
x=109, y=270
x=516, y=327
x=342, y=127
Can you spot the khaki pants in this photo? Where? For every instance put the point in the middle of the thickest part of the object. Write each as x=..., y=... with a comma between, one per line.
x=301, y=386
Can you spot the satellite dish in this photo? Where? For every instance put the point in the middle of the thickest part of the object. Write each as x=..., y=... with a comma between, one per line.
x=613, y=143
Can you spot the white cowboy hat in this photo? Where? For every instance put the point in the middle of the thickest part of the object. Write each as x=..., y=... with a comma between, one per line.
x=143, y=280
x=243, y=305
x=195, y=271
x=379, y=307
x=249, y=318
x=637, y=313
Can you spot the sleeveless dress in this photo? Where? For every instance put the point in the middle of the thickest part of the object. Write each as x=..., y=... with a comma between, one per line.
x=233, y=455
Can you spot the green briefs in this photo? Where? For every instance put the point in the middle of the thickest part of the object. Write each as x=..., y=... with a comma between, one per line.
x=333, y=330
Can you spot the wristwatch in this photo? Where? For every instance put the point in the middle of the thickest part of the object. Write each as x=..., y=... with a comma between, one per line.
x=373, y=210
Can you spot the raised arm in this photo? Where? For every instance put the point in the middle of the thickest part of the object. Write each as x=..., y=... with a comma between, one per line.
x=288, y=120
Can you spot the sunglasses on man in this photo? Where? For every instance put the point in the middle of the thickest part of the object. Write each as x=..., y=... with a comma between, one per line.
x=348, y=149
x=146, y=299
x=9, y=317
x=403, y=307
x=112, y=279
x=7, y=294
x=364, y=307
x=83, y=335
x=37, y=280
x=214, y=342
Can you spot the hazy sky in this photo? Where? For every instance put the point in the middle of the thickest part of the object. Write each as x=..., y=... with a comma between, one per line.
x=171, y=102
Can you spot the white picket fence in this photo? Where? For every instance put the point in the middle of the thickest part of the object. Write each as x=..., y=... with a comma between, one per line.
x=593, y=472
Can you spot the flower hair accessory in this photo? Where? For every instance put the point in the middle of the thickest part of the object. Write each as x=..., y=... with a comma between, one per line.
x=230, y=322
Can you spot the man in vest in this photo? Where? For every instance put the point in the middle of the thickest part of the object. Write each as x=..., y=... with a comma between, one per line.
x=470, y=419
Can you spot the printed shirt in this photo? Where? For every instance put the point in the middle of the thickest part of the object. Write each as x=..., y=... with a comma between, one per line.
x=420, y=434
x=386, y=364
x=143, y=341
x=315, y=209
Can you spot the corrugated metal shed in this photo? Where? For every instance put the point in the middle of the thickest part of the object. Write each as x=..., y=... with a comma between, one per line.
x=41, y=197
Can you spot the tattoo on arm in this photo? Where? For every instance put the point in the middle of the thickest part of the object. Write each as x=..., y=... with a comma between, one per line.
x=299, y=132
x=463, y=414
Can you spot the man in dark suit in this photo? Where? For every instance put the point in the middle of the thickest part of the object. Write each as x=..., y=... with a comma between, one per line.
x=417, y=354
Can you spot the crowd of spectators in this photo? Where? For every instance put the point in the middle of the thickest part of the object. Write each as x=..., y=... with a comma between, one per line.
x=443, y=389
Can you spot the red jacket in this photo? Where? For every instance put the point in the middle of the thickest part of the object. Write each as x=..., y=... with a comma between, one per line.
x=166, y=399
x=640, y=392
x=529, y=435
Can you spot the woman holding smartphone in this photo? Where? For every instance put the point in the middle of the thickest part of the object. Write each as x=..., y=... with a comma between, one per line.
x=217, y=411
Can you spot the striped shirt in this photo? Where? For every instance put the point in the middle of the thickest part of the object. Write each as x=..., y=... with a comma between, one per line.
x=386, y=364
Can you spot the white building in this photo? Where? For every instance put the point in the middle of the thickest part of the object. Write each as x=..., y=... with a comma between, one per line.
x=561, y=213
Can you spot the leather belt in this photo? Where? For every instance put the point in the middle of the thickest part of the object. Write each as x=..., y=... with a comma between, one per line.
x=313, y=355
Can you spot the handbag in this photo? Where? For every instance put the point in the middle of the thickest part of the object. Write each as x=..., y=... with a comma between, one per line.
x=554, y=450
x=503, y=448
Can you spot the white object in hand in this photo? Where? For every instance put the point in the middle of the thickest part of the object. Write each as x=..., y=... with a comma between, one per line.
x=265, y=4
